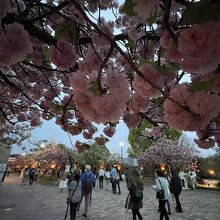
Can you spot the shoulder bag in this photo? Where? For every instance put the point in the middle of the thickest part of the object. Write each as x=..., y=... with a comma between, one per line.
x=69, y=200
x=160, y=193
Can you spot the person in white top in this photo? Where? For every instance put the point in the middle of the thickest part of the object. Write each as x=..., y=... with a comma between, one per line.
x=101, y=177
x=182, y=177
x=192, y=176
x=186, y=174
x=162, y=184
x=107, y=178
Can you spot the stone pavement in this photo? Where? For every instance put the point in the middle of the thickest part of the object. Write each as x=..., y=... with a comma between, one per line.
x=40, y=202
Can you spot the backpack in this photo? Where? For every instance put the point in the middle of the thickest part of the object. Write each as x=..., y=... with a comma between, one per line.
x=137, y=192
x=87, y=184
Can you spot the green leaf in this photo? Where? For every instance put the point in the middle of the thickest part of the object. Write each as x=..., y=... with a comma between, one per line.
x=217, y=118
x=68, y=28
x=131, y=43
x=94, y=88
x=128, y=8
x=200, y=12
x=163, y=70
x=175, y=66
x=56, y=106
x=151, y=20
x=201, y=86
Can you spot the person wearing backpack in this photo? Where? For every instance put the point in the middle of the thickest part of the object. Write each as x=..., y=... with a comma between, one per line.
x=87, y=180
x=135, y=196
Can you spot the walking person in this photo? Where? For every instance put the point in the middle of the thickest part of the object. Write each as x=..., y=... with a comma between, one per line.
x=101, y=178
x=21, y=174
x=25, y=177
x=176, y=188
x=63, y=181
x=182, y=178
x=112, y=176
x=192, y=176
x=117, y=182
x=135, y=196
x=31, y=176
x=87, y=179
x=74, y=196
x=94, y=173
x=162, y=189
x=107, y=178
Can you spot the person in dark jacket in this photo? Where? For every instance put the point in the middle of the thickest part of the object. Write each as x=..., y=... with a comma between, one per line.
x=135, y=197
x=176, y=188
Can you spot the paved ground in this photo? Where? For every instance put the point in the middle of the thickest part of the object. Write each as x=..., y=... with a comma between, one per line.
x=40, y=202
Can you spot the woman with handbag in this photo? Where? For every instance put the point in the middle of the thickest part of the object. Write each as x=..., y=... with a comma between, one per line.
x=162, y=193
x=74, y=196
x=135, y=196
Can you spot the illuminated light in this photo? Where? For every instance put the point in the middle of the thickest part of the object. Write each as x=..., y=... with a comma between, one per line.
x=162, y=167
x=121, y=144
x=212, y=172
x=53, y=166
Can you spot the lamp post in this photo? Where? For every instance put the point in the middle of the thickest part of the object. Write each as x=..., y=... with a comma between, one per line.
x=121, y=145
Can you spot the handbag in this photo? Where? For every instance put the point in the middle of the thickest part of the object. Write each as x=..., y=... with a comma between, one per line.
x=160, y=194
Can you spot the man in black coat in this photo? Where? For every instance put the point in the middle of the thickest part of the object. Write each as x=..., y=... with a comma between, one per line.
x=176, y=188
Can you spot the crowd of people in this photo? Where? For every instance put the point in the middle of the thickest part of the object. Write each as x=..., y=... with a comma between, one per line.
x=81, y=182
x=28, y=175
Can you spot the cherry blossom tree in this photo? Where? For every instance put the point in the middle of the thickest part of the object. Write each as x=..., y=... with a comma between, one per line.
x=66, y=60
x=169, y=152
x=143, y=136
x=51, y=154
x=14, y=134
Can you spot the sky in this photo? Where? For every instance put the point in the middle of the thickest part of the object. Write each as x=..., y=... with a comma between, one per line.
x=52, y=132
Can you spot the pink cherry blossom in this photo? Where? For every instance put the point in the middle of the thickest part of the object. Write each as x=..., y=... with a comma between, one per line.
x=74, y=130
x=142, y=87
x=4, y=6
x=199, y=47
x=169, y=152
x=204, y=104
x=166, y=40
x=205, y=144
x=132, y=120
x=146, y=9
x=14, y=44
x=100, y=140
x=64, y=55
x=109, y=131
x=80, y=147
x=139, y=104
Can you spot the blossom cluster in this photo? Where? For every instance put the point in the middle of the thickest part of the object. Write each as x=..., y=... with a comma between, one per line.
x=169, y=152
x=67, y=60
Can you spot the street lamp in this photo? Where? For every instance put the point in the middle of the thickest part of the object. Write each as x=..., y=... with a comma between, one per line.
x=121, y=145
